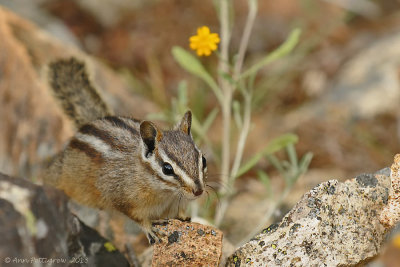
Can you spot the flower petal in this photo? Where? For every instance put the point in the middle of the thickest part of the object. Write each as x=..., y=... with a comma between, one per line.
x=193, y=46
x=204, y=42
x=194, y=38
x=204, y=30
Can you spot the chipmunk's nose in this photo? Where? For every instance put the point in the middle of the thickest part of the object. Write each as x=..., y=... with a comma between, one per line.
x=197, y=192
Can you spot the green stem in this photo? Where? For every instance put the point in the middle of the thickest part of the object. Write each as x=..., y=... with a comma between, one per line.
x=227, y=89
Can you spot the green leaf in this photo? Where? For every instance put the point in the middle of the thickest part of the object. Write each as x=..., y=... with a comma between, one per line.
x=277, y=164
x=272, y=147
x=210, y=119
x=249, y=164
x=280, y=142
x=236, y=114
x=291, y=151
x=191, y=64
x=264, y=178
x=305, y=162
x=287, y=165
x=182, y=94
x=201, y=129
x=188, y=62
x=227, y=77
x=278, y=53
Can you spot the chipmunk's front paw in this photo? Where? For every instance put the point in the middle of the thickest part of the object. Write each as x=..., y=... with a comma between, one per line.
x=155, y=234
x=185, y=219
x=153, y=238
x=161, y=222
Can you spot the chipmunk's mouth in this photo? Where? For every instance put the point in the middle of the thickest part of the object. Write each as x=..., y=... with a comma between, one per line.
x=193, y=194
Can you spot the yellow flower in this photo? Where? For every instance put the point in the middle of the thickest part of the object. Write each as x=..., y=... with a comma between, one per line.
x=396, y=241
x=204, y=42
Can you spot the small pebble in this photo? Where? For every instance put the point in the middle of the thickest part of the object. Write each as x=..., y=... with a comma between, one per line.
x=200, y=232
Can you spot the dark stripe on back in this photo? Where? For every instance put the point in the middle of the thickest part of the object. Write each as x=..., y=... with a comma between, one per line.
x=103, y=135
x=121, y=124
x=86, y=148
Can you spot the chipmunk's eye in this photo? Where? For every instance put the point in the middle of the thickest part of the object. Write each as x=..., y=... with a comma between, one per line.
x=204, y=162
x=167, y=169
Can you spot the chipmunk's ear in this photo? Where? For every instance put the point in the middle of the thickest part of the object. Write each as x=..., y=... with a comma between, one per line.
x=150, y=136
x=185, y=124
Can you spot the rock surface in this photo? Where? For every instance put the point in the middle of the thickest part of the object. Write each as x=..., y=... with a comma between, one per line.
x=33, y=127
x=390, y=215
x=335, y=223
x=37, y=229
x=188, y=244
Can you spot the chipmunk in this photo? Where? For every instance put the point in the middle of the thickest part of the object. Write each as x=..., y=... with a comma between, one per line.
x=122, y=163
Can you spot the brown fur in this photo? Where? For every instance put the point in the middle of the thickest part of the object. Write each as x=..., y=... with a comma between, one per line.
x=115, y=162
x=71, y=85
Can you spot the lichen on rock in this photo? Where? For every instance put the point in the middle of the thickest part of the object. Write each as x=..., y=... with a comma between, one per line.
x=391, y=213
x=334, y=223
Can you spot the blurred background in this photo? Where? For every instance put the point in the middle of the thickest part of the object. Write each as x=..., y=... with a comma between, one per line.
x=338, y=90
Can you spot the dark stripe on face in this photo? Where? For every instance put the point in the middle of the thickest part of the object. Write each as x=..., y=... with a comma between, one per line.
x=161, y=163
x=154, y=174
x=87, y=149
x=103, y=135
x=121, y=124
x=197, y=182
x=190, y=170
x=175, y=160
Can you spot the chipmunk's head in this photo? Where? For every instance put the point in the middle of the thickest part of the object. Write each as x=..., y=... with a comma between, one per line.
x=173, y=157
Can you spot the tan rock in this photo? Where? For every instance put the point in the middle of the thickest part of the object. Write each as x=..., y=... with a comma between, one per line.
x=390, y=216
x=188, y=244
x=33, y=127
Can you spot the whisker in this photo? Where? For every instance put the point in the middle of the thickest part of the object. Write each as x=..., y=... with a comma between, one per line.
x=219, y=184
x=215, y=192
x=217, y=175
x=179, y=202
x=208, y=201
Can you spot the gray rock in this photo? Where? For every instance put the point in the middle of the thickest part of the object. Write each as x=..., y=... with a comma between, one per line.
x=37, y=229
x=334, y=224
x=368, y=84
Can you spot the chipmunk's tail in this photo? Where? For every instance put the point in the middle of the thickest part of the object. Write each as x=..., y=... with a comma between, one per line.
x=69, y=80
